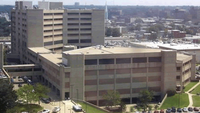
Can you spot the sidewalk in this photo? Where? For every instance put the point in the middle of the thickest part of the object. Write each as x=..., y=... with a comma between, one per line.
x=190, y=95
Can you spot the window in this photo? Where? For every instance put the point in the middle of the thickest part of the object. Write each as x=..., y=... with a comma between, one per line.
x=73, y=23
x=91, y=62
x=47, y=30
x=86, y=41
x=58, y=30
x=86, y=29
x=58, y=14
x=178, y=68
x=47, y=13
x=140, y=60
x=58, y=42
x=73, y=29
x=178, y=77
x=48, y=25
x=123, y=60
x=85, y=18
x=58, y=24
x=48, y=43
x=106, y=61
x=86, y=24
x=86, y=34
x=86, y=13
x=73, y=41
x=58, y=19
x=154, y=59
x=73, y=18
x=73, y=34
x=73, y=13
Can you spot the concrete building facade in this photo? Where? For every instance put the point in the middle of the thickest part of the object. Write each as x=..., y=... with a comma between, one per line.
x=88, y=73
x=52, y=27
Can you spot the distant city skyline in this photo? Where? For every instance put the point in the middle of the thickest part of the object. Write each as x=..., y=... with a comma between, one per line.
x=118, y=2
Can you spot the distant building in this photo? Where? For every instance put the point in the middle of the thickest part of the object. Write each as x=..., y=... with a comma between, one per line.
x=106, y=12
x=52, y=27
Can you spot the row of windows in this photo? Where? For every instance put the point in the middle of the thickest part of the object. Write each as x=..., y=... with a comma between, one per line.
x=81, y=41
x=70, y=24
x=49, y=36
x=122, y=60
x=80, y=13
x=52, y=25
x=82, y=29
x=84, y=34
x=53, y=13
x=80, y=19
x=51, y=43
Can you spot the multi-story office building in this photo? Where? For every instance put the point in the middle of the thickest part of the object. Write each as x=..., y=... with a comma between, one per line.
x=52, y=27
x=88, y=73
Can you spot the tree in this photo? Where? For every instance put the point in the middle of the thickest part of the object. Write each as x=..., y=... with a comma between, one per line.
x=145, y=97
x=108, y=32
x=27, y=94
x=7, y=96
x=112, y=98
x=41, y=91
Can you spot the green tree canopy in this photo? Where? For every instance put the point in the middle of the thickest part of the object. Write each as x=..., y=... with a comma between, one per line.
x=145, y=96
x=7, y=96
x=41, y=91
x=27, y=94
x=112, y=98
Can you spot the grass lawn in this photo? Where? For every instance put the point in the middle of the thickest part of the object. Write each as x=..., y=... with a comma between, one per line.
x=190, y=85
x=196, y=101
x=196, y=90
x=90, y=109
x=31, y=108
x=173, y=101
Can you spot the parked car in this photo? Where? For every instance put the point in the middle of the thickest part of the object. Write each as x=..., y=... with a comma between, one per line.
x=20, y=79
x=162, y=111
x=56, y=109
x=173, y=109
x=45, y=100
x=179, y=110
x=168, y=110
x=190, y=109
x=156, y=111
x=196, y=109
x=185, y=109
x=45, y=111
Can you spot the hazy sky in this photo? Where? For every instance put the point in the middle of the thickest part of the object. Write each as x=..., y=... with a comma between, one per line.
x=117, y=2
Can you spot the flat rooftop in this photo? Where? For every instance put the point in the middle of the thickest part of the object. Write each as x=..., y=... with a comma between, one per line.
x=181, y=57
x=110, y=50
x=40, y=50
x=54, y=58
x=172, y=46
x=180, y=47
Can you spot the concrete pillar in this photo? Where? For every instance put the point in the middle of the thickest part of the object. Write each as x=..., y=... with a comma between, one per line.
x=168, y=76
x=1, y=55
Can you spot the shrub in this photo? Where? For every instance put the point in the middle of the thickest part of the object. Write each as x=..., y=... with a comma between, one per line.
x=171, y=92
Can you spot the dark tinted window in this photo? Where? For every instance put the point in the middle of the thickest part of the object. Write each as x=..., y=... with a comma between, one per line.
x=140, y=60
x=154, y=59
x=123, y=60
x=91, y=62
x=106, y=61
x=58, y=42
x=48, y=43
x=73, y=41
x=86, y=41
